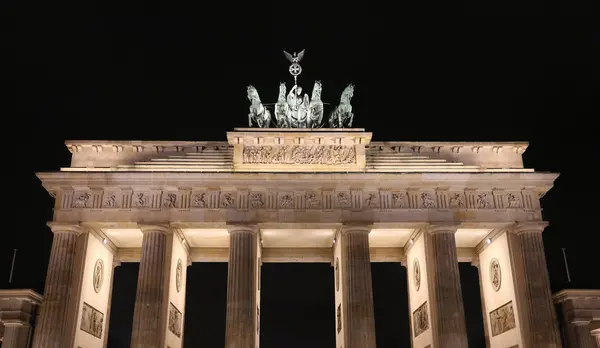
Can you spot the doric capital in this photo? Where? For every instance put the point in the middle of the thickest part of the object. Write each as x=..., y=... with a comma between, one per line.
x=65, y=227
x=441, y=228
x=529, y=227
x=356, y=228
x=242, y=228
x=155, y=228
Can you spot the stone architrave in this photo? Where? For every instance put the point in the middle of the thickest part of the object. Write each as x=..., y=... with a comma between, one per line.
x=435, y=295
x=355, y=319
x=242, y=328
x=160, y=299
x=18, y=309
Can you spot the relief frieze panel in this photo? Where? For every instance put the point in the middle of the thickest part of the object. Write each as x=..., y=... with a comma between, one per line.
x=299, y=154
x=311, y=199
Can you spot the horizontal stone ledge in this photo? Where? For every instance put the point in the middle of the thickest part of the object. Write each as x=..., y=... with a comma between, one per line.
x=292, y=255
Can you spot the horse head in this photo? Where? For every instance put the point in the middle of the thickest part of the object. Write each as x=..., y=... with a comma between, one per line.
x=347, y=94
x=253, y=94
x=316, y=92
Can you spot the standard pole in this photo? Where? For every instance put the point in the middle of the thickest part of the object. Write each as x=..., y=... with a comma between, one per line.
x=12, y=267
x=566, y=265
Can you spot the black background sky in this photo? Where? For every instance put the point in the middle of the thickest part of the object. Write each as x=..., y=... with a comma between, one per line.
x=178, y=70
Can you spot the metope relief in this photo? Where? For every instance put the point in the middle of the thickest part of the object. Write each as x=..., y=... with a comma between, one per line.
x=92, y=320
x=228, y=199
x=141, y=200
x=495, y=274
x=502, y=319
x=286, y=201
x=110, y=200
x=257, y=200
x=399, y=200
x=421, y=319
x=343, y=199
x=297, y=154
x=417, y=274
x=312, y=199
x=371, y=200
x=98, y=276
x=427, y=200
x=169, y=200
x=82, y=200
x=199, y=200
x=483, y=200
x=513, y=200
x=174, y=320
x=456, y=200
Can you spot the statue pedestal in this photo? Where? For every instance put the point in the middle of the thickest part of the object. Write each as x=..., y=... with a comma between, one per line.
x=299, y=150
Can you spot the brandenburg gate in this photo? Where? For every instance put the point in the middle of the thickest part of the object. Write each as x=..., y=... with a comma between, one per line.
x=287, y=189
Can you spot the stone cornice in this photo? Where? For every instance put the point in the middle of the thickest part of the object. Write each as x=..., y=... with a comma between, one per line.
x=576, y=294
x=21, y=294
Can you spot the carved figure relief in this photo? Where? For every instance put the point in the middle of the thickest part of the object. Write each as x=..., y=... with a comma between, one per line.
x=482, y=200
x=82, y=200
x=337, y=274
x=495, y=274
x=421, y=319
x=257, y=200
x=339, y=318
x=98, y=276
x=227, y=200
x=169, y=200
x=141, y=200
x=174, y=320
x=178, y=275
x=417, y=274
x=427, y=201
x=398, y=200
x=513, y=200
x=299, y=154
x=456, y=200
x=92, y=320
x=343, y=199
x=286, y=201
x=257, y=319
x=372, y=200
x=199, y=201
x=502, y=319
x=110, y=201
x=313, y=200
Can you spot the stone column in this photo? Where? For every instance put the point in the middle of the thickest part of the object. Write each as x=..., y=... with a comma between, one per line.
x=594, y=329
x=148, y=315
x=52, y=323
x=534, y=296
x=240, y=330
x=18, y=310
x=354, y=290
x=448, y=313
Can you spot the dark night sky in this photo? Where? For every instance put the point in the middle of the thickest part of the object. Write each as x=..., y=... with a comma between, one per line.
x=471, y=70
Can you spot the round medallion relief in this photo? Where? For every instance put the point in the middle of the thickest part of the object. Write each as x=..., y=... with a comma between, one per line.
x=98, y=275
x=417, y=274
x=495, y=274
x=178, y=275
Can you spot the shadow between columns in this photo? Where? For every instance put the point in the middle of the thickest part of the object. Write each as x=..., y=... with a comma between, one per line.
x=122, y=303
x=469, y=283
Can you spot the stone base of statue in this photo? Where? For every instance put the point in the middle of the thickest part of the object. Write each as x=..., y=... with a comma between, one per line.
x=299, y=150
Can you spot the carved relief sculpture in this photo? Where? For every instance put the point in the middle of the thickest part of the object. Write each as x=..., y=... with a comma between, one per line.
x=169, y=200
x=417, y=274
x=92, y=320
x=257, y=200
x=398, y=199
x=502, y=319
x=513, y=201
x=286, y=201
x=495, y=274
x=82, y=200
x=339, y=318
x=372, y=200
x=227, y=200
x=299, y=154
x=178, y=275
x=421, y=319
x=313, y=200
x=174, y=320
x=199, y=201
x=427, y=201
x=343, y=199
x=483, y=200
x=111, y=201
x=98, y=276
x=456, y=200
x=141, y=200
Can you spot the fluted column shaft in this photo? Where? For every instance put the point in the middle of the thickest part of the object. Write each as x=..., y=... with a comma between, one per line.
x=578, y=336
x=148, y=330
x=241, y=288
x=539, y=312
x=447, y=301
x=16, y=335
x=358, y=288
x=52, y=321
